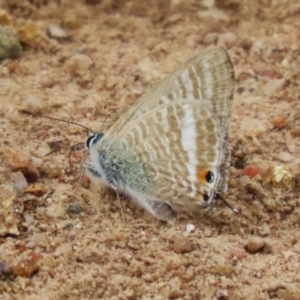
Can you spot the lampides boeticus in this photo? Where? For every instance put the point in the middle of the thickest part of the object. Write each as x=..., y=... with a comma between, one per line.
x=169, y=151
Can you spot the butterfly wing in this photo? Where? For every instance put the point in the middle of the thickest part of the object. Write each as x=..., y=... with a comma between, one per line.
x=181, y=150
x=177, y=134
x=206, y=78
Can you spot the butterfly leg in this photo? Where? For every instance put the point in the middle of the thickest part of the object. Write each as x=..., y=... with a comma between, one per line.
x=88, y=166
x=117, y=193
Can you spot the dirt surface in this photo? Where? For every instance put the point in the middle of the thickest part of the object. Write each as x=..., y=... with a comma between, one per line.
x=62, y=236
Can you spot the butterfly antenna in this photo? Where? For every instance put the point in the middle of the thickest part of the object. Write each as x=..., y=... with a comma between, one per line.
x=235, y=210
x=27, y=112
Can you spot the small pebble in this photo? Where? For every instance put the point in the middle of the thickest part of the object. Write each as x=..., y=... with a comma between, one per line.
x=243, y=180
x=74, y=209
x=222, y=294
x=255, y=245
x=255, y=189
x=91, y=256
x=51, y=170
x=49, y=261
x=264, y=230
x=5, y=271
x=235, y=225
x=40, y=239
x=18, y=206
x=78, y=64
x=35, y=189
x=62, y=249
x=121, y=244
x=56, y=32
x=132, y=245
x=49, y=200
x=28, y=218
x=227, y=39
x=40, y=211
x=72, y=22
x=190, y=228
x=182, y=244
x=10, y=46
x=273, y=86
x=21, y=163
x=285, y=156
x=68, y=227
x=279, y=122
x=5, y=18
x=31, y=34
x=251, y=171
x=207, y=232
x=19, y=181
x=279, y=178
x=10, y=207
x=224, y=269
x=25, y=268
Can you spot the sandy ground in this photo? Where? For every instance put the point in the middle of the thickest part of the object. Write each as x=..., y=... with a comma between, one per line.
x=64, y=238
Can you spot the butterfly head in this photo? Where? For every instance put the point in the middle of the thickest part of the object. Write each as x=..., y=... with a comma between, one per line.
x=94, y=166
x=93, y=139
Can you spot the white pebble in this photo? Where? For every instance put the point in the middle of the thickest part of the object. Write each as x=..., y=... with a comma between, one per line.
x=28, y=218
x=56, y=32
x=190, y=228
x=19, y=181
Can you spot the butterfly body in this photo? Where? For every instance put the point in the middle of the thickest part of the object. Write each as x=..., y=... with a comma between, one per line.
x=169, y=151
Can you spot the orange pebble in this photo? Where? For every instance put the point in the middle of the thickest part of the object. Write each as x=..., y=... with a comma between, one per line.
x=251, y=170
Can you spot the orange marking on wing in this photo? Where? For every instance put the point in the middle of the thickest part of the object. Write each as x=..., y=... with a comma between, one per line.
x=202, y=175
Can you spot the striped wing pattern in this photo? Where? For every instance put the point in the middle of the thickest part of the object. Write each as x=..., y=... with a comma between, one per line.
x=177, y=133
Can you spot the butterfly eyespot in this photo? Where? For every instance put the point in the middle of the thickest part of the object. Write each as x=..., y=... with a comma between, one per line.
x=206, y=176
x=205, y=197
x=210, y=177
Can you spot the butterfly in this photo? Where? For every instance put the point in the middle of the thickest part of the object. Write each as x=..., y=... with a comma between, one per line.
x=169, y=151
